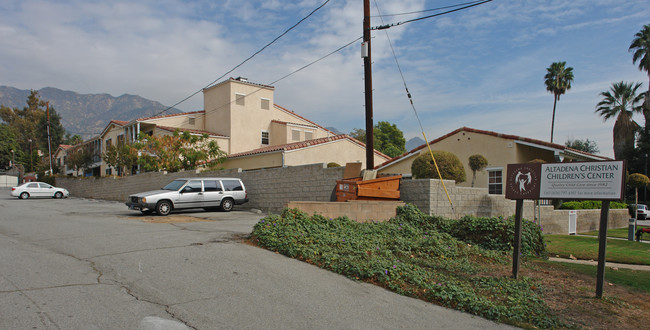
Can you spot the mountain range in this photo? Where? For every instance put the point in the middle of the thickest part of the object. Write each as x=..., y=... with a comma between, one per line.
x=86, y=114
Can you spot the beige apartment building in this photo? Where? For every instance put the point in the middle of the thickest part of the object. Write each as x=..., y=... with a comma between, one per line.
x=242, y=118
x=499, y=149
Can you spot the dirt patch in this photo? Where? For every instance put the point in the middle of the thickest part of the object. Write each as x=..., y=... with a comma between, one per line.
x=572, y=297
x=169, y=219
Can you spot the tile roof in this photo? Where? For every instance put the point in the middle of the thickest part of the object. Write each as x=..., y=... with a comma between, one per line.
x=290, y=123
x=193, y=131
x=301, y=117
x=491, y=133
x=171, y=115
x=301, y=145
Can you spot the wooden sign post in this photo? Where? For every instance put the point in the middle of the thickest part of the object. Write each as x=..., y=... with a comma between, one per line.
x=574, y=181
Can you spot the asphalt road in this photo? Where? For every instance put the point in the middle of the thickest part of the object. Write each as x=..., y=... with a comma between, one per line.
x=86, y=264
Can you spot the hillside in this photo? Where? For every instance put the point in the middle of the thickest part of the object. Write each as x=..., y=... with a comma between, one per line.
x=86, y=114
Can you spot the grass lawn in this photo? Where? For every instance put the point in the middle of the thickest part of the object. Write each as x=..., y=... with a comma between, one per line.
x=586, y=248
x=619, y=232
x=637, y=280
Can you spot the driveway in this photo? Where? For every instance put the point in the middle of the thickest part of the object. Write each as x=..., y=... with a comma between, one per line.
x=88, y=264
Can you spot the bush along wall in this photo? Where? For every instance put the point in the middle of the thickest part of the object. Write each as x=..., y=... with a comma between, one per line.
x=590, y=205
x=420, y=256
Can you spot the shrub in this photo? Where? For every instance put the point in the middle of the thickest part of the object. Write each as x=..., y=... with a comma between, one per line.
x=590, y=205
x=333, y=164
x=450, y=166
x=414, y=254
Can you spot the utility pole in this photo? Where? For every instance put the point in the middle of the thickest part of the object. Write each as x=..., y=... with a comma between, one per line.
x=367, y=70
x=49, y=140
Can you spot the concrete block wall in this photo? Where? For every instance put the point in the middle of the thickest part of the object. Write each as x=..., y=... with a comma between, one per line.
x=268, y=189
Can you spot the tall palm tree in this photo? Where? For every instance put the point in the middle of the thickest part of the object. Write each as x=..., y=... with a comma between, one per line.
x=558, y=80
x=641, y=48
x=621, y=101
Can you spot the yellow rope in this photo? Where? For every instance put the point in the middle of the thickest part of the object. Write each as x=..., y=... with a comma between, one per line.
x=439, y=175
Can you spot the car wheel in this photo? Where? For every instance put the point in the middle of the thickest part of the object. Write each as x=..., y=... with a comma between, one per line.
x=24, y=195
x=227, y=204
x=163, y=208
x=58, y=194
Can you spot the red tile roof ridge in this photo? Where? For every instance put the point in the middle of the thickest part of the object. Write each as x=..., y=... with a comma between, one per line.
x=300, y=145
x=496, y=134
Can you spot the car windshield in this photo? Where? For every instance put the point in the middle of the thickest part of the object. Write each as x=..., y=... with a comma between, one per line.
x=174, y=185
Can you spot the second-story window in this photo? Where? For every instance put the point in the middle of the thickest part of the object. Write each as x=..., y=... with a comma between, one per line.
x=265, y=137
x=192, y=120
x=240, y=99
x=309, y=135
x=295, y=135
x=266, y=104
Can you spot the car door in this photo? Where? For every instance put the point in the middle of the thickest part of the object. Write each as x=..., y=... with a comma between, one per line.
x=191, y=195
x=45, y=190
x=33, y=189
x=213, y=192
x=234, y=189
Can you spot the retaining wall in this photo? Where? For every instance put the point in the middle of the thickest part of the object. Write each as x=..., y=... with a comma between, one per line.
x=270, y=190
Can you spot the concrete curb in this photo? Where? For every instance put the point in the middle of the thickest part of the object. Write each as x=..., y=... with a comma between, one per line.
x=607, y=264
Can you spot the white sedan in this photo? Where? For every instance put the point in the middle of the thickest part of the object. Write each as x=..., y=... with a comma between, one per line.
x=38, y=189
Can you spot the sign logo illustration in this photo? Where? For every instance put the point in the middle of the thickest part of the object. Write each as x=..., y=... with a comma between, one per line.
x=524, y=180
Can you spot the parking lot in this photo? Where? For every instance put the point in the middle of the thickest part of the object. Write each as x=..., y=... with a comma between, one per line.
x=78, y=264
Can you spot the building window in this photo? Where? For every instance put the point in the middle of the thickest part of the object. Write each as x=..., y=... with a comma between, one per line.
x=309, y=135
x=108, y=171
x=295, y=135
x=192, y=120
x=120, y=139
x=108, y=143
x=265, y=137
x=266, y=104
x=495, y=182
x=240, y=99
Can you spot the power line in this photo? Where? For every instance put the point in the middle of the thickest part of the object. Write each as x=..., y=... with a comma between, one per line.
x=426, y=10
x=388, y=26
x=249, y=58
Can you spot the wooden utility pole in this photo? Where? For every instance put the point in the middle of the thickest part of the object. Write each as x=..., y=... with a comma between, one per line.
x=49, y=140
x=367, y=69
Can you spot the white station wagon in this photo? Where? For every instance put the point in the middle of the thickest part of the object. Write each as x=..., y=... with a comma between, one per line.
x=186, y=193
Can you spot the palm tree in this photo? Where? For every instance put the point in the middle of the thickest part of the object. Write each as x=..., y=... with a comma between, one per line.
x=558, y=80
x=641, y=48
x=621, y=101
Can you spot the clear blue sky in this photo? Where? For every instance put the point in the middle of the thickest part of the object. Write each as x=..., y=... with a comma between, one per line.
x=482, y=67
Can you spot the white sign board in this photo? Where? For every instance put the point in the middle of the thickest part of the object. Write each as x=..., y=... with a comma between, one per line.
x=593, y=180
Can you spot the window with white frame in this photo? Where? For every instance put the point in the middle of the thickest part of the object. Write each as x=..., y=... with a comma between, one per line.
x=309, y=135
x=495, y=181
x=192, y=120
x=295, y=135
x=266, y=104
x=265, y=137
x=240, y=99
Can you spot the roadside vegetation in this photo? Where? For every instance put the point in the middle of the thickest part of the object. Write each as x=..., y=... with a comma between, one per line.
x=586, y=248
x=463, y=264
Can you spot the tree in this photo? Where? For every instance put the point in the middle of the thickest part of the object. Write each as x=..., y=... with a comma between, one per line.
x=121, y=156
x=179, y=151
x=72, y=140
x=636, y=181
x=621, y=101
x=477, y=163
x=79, y=158
x=449, y=165
x=583, y=145
x=640, y=47
x=388, y=139
x=558, y=80
x=29, y=127
x=8, y=145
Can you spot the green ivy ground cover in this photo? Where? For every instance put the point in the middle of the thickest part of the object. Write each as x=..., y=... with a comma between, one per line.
x=421, y=256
